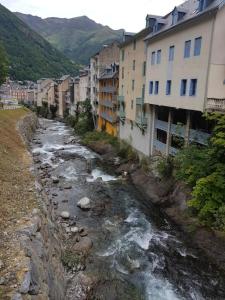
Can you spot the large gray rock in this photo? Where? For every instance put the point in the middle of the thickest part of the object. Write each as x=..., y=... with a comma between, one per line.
x=65, y=215
x=17, y=296
x=84, y=245
x=25, y=286
x=84, y=203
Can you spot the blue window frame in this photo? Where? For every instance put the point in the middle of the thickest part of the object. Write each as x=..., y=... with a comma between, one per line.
x=171, y=53
x=151, y=87
x=193, y=87
x=158, y=59
x=156, y=87
x=197, y=46
x=187, y=49
x=153, y=58
x=183, y=87
x=168, y=87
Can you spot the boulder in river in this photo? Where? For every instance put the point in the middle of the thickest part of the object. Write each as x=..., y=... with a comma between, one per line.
x=74, y=229
x=84, y=203
x=65, y=215
x=55, y=179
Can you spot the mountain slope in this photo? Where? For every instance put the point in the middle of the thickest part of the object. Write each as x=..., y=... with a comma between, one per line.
x=30, y=55
x=78, y=38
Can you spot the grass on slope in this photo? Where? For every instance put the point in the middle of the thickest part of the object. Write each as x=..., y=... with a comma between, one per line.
x=15, y=199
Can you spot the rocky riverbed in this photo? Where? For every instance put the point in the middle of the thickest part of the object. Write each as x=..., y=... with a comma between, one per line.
x=115, y=243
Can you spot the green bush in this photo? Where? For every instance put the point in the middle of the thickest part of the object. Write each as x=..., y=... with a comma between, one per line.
x=204, y=170
x=127, y=152
x=165, y=166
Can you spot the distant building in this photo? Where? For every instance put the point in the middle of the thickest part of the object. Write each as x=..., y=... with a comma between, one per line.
x=108, y=93
x=84, y=84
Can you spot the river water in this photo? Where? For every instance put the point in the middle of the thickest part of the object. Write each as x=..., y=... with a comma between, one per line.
x=137, y=253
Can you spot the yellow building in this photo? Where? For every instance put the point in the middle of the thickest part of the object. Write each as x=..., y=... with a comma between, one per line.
x=108, y=93
x=185, y=73
x=134, y=116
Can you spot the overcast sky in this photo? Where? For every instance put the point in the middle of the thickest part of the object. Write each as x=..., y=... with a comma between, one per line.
x=115, y=13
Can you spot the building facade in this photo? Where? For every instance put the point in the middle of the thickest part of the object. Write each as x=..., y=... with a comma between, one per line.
x=185, y=73
x=108, y=94
x=134, y=115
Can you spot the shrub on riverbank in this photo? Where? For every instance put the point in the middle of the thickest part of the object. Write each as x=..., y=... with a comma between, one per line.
x=203, y=169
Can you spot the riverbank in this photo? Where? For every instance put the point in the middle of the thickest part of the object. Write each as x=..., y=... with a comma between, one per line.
x=169, y=195
x=30, y=248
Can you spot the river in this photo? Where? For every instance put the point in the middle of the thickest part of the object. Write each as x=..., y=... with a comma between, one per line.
x=137, y=253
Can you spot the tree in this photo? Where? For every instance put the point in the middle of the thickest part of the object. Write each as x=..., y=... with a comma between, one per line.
x=3, y=65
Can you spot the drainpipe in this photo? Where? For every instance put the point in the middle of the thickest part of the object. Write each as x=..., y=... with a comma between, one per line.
x=187, y=128
x=152, y=133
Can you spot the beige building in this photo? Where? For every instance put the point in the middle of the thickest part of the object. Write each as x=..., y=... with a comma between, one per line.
x=134, y=115
x=43, y=86
x=185, y=73
x=108, y=55
x=84, y=85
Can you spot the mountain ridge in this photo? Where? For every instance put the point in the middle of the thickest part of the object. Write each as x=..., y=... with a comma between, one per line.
x=78, y=37
x=30, y=55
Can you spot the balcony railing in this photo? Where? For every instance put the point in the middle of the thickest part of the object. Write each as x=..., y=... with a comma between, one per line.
x=142, y=121
x=214, y=104
x=199, y=136
x=139, y=101
x=159, y=146
x=121, y=99
x=107, y=117
x=108, y=89
x=108, y=103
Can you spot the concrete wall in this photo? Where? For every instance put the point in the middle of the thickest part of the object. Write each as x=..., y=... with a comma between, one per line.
x=194, y=67
x=216, y=84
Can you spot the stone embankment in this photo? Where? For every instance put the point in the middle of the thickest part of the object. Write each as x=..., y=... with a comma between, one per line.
x=31, y=268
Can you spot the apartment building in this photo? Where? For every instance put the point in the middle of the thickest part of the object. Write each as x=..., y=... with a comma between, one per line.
x=133, y=113
x=108, y=94
x=109, y=54
x=84, y=84
x=65, y=93
x=43, y=86
x=185, y=74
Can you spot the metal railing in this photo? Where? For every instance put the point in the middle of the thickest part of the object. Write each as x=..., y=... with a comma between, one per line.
x=214, y=104
x=107, y=117
x=108, y=89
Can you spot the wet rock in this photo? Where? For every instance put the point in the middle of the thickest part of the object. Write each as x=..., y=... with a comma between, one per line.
x=84, y=245
x=54, y=194
x=84, y=203
x=1, y=264
x=65, y=215
x=55, y=179
x=74, y=229
x=17, y=296
x=2, y=281
x=67, y=187
x=25, y=286
x=64, y=200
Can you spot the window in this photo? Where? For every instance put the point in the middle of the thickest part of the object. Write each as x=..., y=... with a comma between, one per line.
x=168, y=87
x=187, y=49
x=132, y=85
x=171, y=53
x=144, y=68
x=193, y=87
x=122, y=72
x=158, y=60
x=183, y=87
x=150, y=87
x=123, y=54
x=153, y=58
x=197, y=49
x=156, y=88
x=134, y=45
x=133, y=65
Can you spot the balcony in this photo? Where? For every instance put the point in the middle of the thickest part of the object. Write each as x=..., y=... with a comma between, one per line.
x=120, y=99
x=139, y=101
x=110, y=118
x=108, y=89
x=142, y=122
x=199, y=136
x=159, y=146
x=217, y=105
x=108, y=103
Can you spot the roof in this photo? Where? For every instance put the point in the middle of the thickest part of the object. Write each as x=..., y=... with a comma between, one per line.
x=109, y=75
x=64, y=77
x=143, y=33
x=191, y=13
